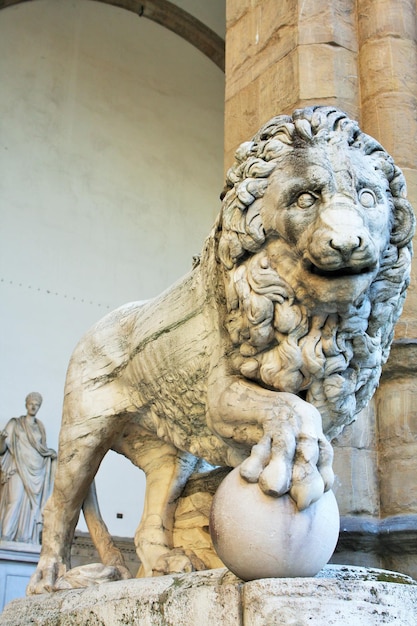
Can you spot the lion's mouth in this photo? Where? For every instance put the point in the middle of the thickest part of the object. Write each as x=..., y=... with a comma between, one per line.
x=341, y=272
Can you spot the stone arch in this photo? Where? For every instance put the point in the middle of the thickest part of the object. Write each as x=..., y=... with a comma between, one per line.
x=169, y=16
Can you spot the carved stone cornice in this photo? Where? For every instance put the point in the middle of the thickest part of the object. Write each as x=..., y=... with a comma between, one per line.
x=394, y=535
x=18, y=551
x=83, y=541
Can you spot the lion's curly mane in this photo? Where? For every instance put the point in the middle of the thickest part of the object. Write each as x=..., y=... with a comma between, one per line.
x=332, y=360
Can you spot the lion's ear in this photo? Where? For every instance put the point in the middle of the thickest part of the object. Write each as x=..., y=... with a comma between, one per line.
x=404, y=223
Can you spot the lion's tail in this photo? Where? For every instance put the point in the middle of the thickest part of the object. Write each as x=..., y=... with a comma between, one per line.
x=108, y=552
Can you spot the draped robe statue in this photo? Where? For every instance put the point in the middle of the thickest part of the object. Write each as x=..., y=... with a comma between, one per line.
x=27, y=471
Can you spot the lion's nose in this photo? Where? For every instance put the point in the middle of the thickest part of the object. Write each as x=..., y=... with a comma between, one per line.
x=345, y=244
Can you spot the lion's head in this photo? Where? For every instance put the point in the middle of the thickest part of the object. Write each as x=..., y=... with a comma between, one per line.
x=315, y=241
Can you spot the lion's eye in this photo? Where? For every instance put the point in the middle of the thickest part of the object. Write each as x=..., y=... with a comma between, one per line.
x=367, y=198
x=305, y=200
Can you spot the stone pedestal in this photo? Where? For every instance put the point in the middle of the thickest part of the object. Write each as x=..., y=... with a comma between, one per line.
x=17, y=563
x=339, y=595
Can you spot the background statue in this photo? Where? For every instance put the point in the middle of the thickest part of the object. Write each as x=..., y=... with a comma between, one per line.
x=27, y=471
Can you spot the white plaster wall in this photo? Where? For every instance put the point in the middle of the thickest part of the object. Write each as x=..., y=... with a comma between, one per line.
x=111, y=165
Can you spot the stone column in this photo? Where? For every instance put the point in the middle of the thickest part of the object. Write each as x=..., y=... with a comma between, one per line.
x=361, y=56
x=387, y=35
x=396, y=402
x=282, y=55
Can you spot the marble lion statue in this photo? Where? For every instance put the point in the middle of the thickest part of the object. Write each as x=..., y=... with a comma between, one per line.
x=259, y=356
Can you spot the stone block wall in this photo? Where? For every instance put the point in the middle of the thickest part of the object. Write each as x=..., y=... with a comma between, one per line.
x=361, y=56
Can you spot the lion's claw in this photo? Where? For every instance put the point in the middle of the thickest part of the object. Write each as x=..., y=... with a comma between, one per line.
x=305, y=492
x=275, y=480
x=177, y=561
x=45, y=576
x=295, y=458
x=327, y=474
x=252, y=467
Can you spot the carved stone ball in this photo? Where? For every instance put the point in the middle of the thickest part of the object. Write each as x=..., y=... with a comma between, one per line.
x=259, y=536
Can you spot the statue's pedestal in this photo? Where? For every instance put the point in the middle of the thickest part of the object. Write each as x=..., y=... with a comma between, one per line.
x=17, y=563
x=339, y=595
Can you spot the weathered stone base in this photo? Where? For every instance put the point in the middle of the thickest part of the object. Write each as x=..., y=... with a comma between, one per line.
x=17, y=564
x=339, y=595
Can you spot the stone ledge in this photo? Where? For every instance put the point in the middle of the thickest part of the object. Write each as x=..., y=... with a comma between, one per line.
x=17, y=551
x=339, y=595
x=402, y=360
x=396, y=534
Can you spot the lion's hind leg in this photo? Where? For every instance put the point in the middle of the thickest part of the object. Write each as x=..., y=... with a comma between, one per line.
x=167, y=470
x=110, y=554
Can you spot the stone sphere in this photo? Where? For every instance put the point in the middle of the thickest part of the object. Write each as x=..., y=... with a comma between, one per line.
x=259, y=536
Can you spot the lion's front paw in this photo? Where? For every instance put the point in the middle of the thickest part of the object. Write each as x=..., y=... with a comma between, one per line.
x=45, y=576
x=177, y=561
x=293, y=456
